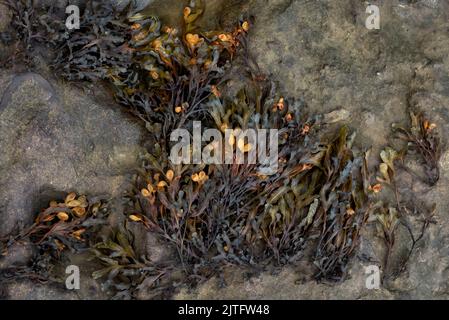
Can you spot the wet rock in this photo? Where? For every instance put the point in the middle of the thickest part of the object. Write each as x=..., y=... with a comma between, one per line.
x=56, y=139
x=285, y=286
x=5, y=35
x=150, y=246
x=5, y=17
x=31, y=291
x=336, y=116
x=135, y=4
x=318, y=50
x=322, y=51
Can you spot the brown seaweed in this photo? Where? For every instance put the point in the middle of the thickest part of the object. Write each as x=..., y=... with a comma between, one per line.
x=68, y=225
x=422, y=141
x=314, y=206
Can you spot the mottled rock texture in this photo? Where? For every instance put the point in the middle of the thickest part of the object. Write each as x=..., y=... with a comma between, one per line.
x=55, y=138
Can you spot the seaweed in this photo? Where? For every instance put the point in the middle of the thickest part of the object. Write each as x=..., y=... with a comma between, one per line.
x=421, y=140
x=312, y=207
x=159, y=73
x=233, y=214
x=389, y=218
x=125, y=272
x=26, y=23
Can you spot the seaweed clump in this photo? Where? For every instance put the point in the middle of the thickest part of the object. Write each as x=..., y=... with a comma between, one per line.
x=312, y=207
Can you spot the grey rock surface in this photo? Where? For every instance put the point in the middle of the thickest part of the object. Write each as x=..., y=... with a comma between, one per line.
x=322, y=51
x=5, y=17
x=55, y=139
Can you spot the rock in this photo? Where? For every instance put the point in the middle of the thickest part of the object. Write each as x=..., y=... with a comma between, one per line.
x=284, y=286
x=5, y=17
x=149, y=245
x=156, y=250
x=336, y=116
x=54, y=140
x=137, y=5
x=61, y=4
x=322, y=52
x=17, y=254
x=434, y=4
x=5, y=36
x=23, y=290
